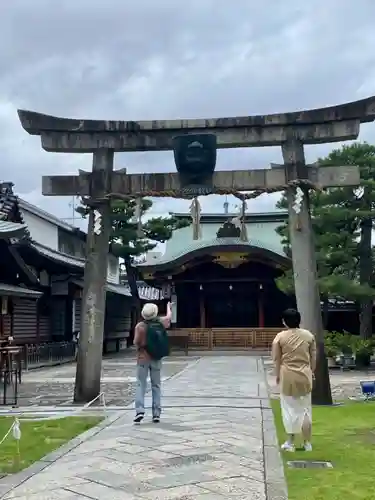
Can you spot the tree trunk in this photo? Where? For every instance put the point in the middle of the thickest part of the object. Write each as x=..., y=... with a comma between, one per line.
x=321, y=394
x=365, y=273
x=132, y=280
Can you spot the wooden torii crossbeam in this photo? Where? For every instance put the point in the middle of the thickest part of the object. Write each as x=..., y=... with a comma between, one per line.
x=103, y=138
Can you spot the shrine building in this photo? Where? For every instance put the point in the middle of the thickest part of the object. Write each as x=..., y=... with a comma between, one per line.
x=222, y=284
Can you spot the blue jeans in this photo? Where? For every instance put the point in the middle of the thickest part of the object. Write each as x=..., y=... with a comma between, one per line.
x=143, y=368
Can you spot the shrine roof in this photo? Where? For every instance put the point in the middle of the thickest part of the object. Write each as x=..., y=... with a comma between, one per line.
x=19, y=291
x=12, y=224
x=57, y=256
x=259, y=228
x=197, y=247
x=11, y=229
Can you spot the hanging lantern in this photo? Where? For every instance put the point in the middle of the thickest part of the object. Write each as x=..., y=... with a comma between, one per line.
x=195, y=158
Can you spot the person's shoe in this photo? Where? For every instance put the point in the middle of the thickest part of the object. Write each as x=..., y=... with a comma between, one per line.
x=288, y=447
x=307, y=446
x=138, y=418
x=156, y=420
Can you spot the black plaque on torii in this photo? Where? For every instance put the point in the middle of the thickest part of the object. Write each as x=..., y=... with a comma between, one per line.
x=195, y=158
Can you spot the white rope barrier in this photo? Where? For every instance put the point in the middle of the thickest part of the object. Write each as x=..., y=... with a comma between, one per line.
x=8, y=432
x=15, y=428
x=72, y=413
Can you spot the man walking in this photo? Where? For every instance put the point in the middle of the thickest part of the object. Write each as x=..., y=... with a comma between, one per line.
x=151, y=340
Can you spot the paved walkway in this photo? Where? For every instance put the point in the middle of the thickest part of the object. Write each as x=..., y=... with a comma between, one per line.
x=54, y=386
x=216, y=440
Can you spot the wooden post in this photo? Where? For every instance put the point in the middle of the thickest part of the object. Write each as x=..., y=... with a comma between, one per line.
x=89, y=362
x=1, y=319
x=304, y=265
x=260, y=307
x=202, y=310
x=37, y=321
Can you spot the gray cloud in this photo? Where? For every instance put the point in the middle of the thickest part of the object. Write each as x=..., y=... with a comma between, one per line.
x=172, y=59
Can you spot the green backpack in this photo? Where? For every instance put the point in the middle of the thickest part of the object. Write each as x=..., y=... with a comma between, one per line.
x=157, y=343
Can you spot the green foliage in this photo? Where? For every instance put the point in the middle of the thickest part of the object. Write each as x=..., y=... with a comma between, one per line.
x=285, y=283
x=331, y=344
x=336, y=343
x=345, y=343
x=126, y=242
x=363, y=347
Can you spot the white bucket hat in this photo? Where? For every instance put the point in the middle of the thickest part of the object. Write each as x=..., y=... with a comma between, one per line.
x=149, y=311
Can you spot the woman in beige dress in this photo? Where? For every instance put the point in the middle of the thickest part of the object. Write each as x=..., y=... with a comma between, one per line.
x=294, y=356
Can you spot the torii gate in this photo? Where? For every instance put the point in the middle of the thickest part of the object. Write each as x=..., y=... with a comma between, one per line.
x=103, y=138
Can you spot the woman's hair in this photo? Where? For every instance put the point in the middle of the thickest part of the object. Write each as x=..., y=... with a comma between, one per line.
x=292, y=318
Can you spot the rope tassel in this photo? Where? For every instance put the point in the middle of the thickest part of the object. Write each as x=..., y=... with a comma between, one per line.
x=243, y=234
x=195, y=213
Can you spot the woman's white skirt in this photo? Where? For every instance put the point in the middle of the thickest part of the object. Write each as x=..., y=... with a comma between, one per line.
x=294, y=410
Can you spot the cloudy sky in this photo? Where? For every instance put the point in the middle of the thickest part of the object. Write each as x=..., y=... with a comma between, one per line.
x=124, y=60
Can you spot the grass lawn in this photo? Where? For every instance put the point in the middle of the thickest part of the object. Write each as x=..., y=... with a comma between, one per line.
x=38, y=439
x=345, y=436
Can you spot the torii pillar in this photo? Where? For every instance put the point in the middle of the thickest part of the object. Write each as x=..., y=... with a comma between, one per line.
x=288, y=130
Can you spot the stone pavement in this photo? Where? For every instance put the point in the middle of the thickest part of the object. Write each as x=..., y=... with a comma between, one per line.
x=54, y=386
x=216, y=440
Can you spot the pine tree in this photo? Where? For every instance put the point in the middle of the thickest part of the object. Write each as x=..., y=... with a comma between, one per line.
x=357, y=206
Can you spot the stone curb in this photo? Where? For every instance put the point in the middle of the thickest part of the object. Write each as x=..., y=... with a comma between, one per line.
x=275, y=483
x=8, y=483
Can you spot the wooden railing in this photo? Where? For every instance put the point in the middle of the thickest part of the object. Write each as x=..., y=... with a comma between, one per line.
x=52, y=353
x=241, y=338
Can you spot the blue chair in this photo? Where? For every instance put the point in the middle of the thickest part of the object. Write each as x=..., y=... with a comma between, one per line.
x=368, y=389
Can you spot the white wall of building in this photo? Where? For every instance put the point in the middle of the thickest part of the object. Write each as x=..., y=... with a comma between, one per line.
x=41, y=231
x=46, y=233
